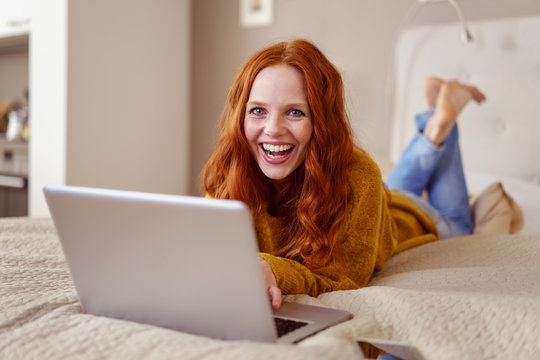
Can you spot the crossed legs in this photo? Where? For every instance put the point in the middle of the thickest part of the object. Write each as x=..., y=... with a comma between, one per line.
x=432, y=161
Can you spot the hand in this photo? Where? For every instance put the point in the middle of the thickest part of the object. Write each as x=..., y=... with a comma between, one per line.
x=271, y=283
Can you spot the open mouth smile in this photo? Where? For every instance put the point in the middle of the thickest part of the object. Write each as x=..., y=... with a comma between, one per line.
x=276, y=152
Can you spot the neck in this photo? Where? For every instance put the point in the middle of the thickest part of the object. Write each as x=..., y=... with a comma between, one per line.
x=276, y=198
x=283, y=191
x=277, y=185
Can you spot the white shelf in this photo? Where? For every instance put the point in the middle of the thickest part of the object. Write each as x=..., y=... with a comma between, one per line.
x=14, y=37
x=16, y=29
x=14, y=20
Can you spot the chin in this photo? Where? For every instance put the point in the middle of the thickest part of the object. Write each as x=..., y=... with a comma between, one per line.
x=276, y=175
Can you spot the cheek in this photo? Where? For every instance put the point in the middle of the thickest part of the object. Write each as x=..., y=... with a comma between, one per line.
x=250, y=132
x=306, y=133
x=304, y=136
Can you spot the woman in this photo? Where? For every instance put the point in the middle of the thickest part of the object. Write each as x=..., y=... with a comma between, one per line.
x=323, y=217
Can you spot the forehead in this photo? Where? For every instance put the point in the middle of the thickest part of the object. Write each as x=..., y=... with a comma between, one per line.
x=279, y=82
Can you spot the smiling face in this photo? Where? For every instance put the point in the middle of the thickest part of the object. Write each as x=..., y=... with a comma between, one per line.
x=277, y=122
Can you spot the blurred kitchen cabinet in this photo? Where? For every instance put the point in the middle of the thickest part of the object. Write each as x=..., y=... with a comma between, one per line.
x=14, y=79
x=13, y=201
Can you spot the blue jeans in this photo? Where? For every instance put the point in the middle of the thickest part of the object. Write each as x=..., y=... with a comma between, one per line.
x=439, y=171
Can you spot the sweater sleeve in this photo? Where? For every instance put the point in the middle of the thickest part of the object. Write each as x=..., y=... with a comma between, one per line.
x=295, y=278
x=365, y=244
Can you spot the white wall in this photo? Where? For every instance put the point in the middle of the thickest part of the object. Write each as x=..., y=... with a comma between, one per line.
x=47, y=150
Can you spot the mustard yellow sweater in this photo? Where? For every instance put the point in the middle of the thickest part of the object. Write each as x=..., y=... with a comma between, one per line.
x=379, y=223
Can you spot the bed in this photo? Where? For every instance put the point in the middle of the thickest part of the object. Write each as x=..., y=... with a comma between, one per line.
x=471, y=297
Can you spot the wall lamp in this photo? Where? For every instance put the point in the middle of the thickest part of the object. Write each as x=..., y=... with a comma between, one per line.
x=466, y=36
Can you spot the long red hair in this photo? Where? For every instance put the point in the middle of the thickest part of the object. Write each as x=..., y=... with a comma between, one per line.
x=315, y=194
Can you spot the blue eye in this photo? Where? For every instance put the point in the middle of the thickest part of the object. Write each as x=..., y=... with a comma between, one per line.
x=257, y=111
x=296, y=113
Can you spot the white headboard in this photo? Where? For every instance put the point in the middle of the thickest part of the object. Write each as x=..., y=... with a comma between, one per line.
x=501, y=136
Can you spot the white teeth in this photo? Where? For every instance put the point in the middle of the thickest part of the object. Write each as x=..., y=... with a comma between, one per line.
x=276, y=151
x=276, y=148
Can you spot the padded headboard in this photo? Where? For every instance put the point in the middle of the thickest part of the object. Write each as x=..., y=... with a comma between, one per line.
x=501, y=136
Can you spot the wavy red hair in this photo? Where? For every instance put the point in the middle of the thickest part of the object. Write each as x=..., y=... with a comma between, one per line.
x=315, y=195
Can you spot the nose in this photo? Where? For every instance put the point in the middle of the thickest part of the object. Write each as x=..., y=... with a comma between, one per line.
x=274, y=126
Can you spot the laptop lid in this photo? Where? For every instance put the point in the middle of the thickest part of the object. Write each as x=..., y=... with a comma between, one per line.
x=180, y=262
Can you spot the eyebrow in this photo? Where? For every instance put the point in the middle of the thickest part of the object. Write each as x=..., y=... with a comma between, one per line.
x=258, y=103
x=292, y=104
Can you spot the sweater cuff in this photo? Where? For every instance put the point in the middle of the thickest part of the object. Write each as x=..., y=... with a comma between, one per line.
x=285, y=271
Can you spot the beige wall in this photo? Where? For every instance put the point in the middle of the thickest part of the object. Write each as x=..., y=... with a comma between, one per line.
x=358, y=35
x=14, y=75
x=128, y=94
x=139, y=103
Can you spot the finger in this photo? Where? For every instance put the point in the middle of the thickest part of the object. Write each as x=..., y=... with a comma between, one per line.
x=275, y=295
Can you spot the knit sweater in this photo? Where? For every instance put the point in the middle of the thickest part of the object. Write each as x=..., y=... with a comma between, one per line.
x=378, y=224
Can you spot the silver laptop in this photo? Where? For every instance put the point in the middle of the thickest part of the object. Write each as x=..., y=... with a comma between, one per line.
x=180, y=262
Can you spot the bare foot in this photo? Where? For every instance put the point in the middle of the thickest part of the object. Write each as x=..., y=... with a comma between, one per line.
x=431, y=88
x=452, y=98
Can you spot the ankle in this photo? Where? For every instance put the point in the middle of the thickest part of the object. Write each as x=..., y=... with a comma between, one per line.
x=438, y=127
x=433, y=132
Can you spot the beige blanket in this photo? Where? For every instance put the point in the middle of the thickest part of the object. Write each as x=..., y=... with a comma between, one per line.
x=475, y=297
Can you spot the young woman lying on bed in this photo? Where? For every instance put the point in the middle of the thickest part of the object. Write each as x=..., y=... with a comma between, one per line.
x=323, y=217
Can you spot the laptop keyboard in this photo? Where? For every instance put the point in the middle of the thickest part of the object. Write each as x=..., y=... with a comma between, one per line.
x=285, y=326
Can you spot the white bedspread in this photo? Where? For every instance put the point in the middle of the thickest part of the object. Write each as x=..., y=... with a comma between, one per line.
x=475, y=297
